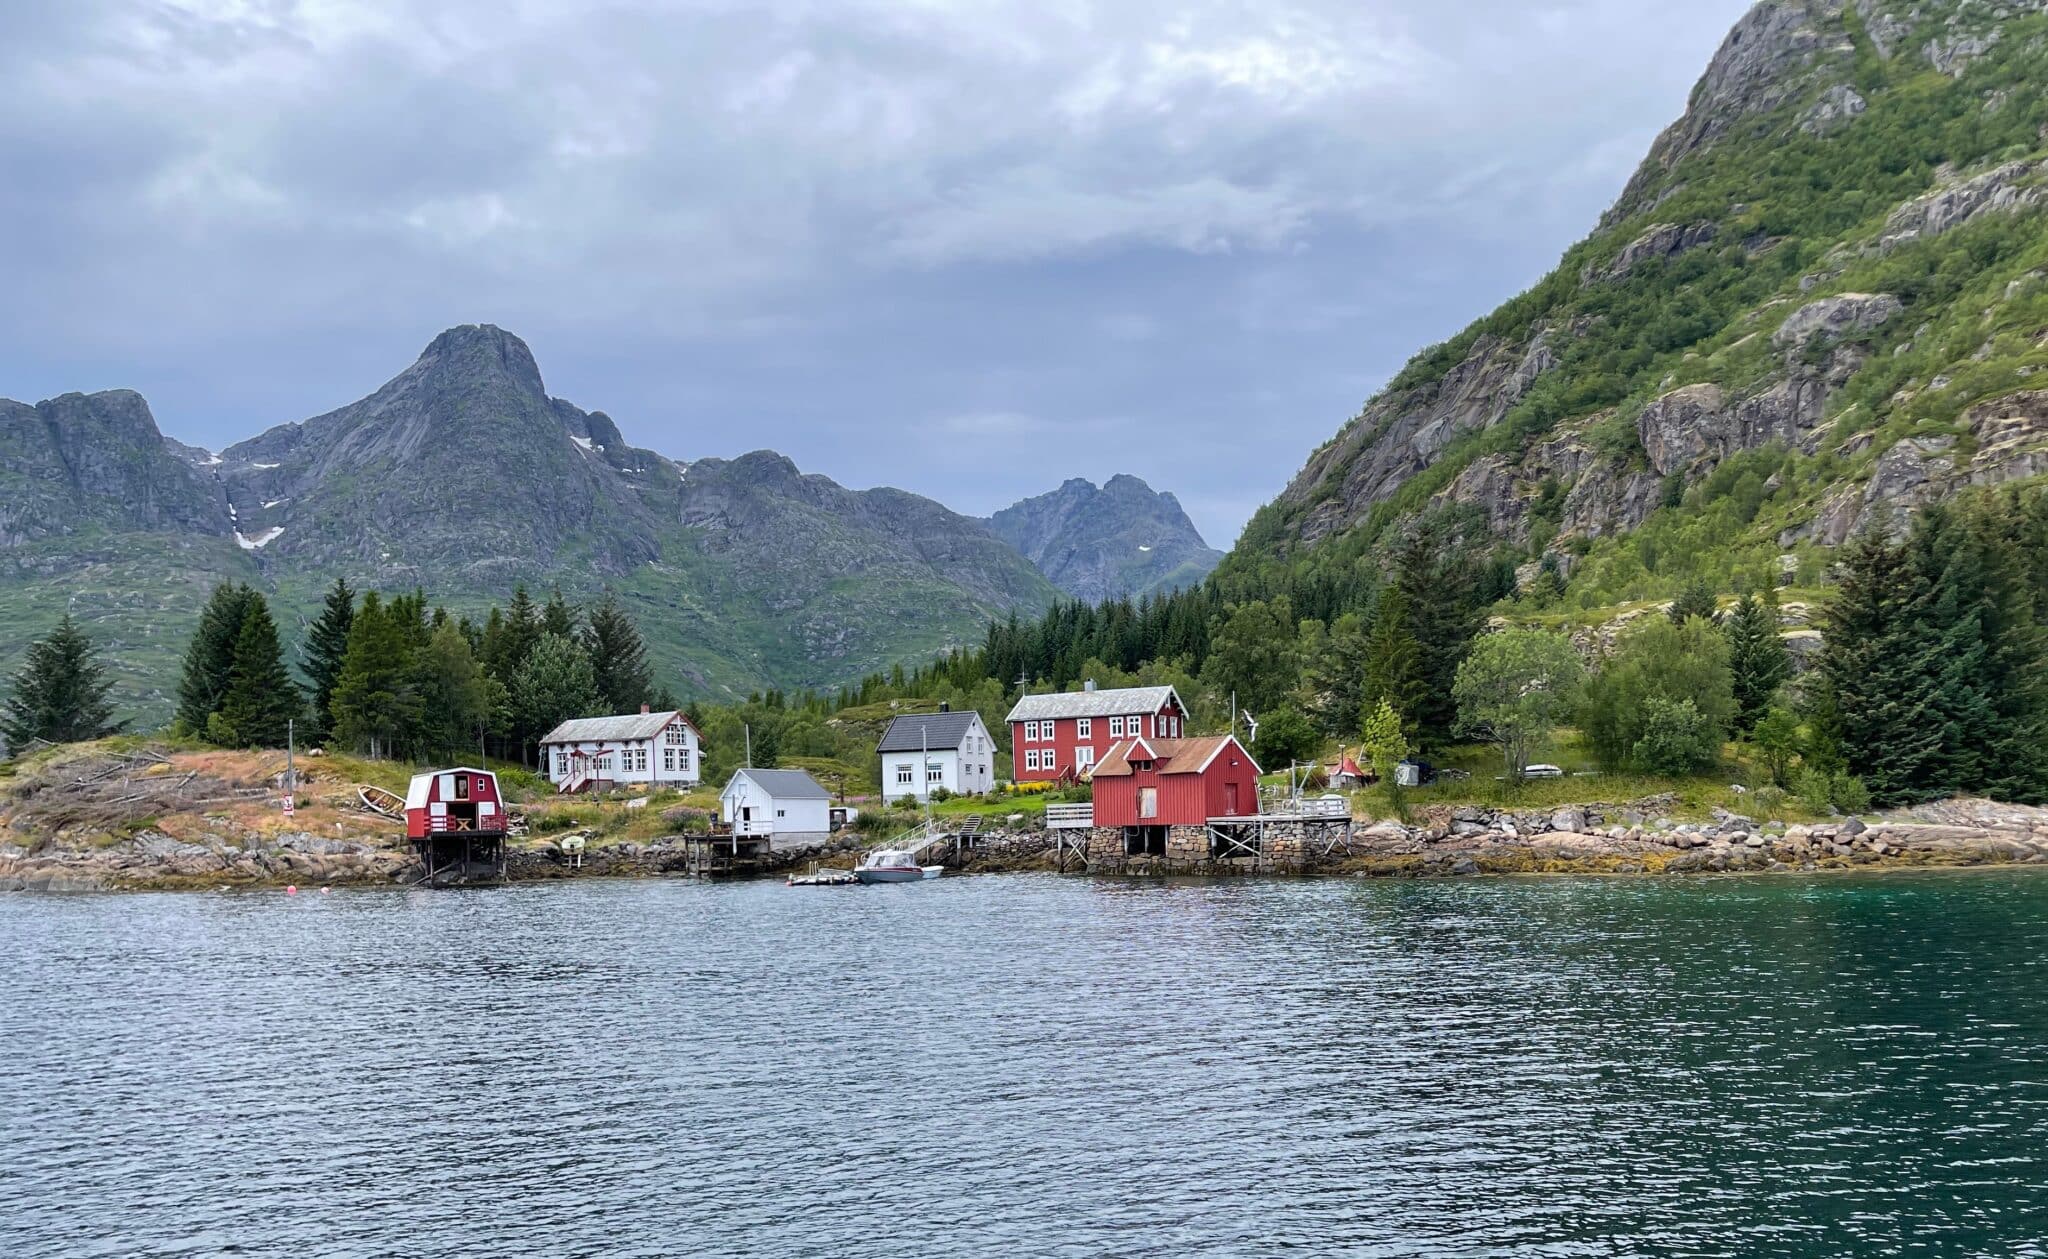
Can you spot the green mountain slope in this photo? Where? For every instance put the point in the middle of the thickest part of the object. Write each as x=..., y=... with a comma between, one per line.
x=1821, y=301
x=462, y=476
x=1122, y=539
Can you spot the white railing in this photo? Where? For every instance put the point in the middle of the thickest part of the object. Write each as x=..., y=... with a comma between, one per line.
x=1069, y=817
x=1313, y=806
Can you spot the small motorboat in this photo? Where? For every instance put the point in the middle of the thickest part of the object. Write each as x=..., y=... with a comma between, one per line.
x=892, y=865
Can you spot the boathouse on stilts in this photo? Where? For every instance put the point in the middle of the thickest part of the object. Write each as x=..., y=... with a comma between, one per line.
x=455, y=821
x=1192, y=805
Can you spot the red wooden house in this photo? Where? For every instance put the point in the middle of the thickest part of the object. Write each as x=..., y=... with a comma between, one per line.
x=454, y=802
x=1157, y=783
x=1064, y=736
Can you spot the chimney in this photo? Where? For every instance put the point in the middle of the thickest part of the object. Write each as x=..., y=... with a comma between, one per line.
x=945, y=706
x=644, y=710
x=1089, y=685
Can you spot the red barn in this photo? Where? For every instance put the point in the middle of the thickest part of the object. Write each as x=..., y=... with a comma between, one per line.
x=1067, y=735
x=455, y=802
x=1175, y=782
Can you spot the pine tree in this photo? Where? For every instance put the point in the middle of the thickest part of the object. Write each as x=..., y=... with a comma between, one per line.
x=210, y=657
x=455, y=694
x=1757, y=659
x=518, y=632
x=1875, y=702
x=261, y=697
x=1697, y=599
x=1334, y=676
x=326, y=644
x=558, y=617
x=618, y=657
x=60, y=692
x=375, y=706
x=1438, y=587
x=554, y=685
x=1393, y=663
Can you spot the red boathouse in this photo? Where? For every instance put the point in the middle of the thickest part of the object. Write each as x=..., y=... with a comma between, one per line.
x=455, y=817
x=1066, y=735
x=1151, y=784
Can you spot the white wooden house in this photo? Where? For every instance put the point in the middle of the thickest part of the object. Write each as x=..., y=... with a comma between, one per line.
x=923, y=752
x=787, y=807
x=597, y=753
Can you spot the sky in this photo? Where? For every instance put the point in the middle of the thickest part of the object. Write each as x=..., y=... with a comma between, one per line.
x=971, y=248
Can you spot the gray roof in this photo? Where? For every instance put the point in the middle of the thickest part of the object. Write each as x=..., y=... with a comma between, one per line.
x=1120, y=703
x=785, y=784
x=936, y=731
x=608, y=729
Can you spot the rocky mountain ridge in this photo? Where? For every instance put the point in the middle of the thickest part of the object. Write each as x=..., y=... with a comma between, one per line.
x=1821, y=301
x=1121, y=539
x=463, y=476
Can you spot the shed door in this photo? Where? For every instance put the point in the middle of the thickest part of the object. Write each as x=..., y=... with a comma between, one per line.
x=1230, y=799
x=1148, y=802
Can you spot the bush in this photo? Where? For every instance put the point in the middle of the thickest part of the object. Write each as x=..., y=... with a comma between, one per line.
x=1849, y=793
x=1815, y=790
x=1677, y=738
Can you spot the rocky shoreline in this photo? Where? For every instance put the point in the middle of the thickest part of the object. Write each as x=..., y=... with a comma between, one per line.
x=1582, y=839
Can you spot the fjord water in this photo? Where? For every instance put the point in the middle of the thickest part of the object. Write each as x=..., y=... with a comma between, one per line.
x=1033, y=1065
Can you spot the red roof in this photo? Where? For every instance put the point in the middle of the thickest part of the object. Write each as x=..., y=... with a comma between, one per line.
x=1174, y=756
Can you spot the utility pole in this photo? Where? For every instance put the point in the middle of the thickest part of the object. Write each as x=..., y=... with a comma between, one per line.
x=749, y=730
x=291, y=773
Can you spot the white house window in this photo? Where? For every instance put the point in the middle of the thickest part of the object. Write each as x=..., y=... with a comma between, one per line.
x=561, y=762
x=674, y=736
x=932, y=772
x=1031, y=760
x=1116, y=727
x=903, y=774
x=781, y=813
x=1084, y=728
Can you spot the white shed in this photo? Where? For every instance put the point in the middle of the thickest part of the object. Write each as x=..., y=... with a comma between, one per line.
x=787, y=806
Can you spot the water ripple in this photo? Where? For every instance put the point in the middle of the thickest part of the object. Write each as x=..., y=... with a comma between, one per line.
x=1032, y=1065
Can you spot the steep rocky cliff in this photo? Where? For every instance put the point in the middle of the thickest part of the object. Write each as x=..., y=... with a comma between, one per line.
x=96, y=461
x=1122, y=539
x=1821, y=301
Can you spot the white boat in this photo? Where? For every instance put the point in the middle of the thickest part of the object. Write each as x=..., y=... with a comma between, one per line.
x=894, y=865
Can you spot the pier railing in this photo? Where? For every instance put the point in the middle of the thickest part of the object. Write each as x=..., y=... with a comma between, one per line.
x=1069, y=817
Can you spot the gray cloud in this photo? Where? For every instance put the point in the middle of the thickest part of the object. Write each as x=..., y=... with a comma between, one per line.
x=970, y=247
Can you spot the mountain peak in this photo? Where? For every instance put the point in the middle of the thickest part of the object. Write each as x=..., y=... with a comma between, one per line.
x=1124, y=538
x=487, y=346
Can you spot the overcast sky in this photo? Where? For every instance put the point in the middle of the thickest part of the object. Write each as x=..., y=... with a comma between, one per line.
x=967, y=247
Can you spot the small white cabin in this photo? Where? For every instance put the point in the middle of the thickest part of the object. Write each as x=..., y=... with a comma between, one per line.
x=788, y=807
x=598, y=753
x=923, y=752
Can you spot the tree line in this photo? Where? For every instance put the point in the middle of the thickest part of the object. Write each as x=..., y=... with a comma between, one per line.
x=389, y=676
x=1930, y=679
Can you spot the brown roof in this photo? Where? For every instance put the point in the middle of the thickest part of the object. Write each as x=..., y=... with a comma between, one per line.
x=1176, y=756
